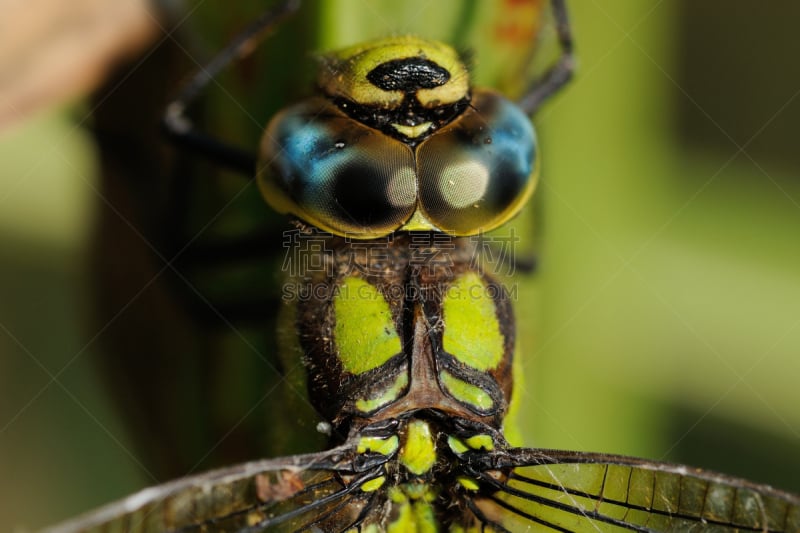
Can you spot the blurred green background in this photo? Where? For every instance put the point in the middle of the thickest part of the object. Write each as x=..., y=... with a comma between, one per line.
x=664, y=321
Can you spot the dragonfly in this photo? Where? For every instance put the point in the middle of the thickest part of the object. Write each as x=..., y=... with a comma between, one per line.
x=403, y=340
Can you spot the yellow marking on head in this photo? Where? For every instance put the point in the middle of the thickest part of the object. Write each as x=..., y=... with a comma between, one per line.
x=412, y=132
x=344, y=73
x=419, y=222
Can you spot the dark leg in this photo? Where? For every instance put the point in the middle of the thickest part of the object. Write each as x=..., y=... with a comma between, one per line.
x=560, y=73
x=180, y=127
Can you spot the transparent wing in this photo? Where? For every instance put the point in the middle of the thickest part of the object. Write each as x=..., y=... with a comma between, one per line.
x=288, y=494
x=517, y=490
x=549, y=490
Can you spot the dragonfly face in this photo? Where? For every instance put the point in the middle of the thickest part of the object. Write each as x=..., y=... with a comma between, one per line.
x=407, y=343
x=399, y=142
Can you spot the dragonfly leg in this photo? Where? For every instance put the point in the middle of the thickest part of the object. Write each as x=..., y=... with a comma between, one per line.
x=560, y=73
x=180, y=127
x=527, y=264
x=250, y=305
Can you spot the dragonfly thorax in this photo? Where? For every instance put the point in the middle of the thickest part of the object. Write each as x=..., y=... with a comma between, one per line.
x=404, y=326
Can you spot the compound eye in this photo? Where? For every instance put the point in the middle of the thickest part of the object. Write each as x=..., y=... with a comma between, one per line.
x=478, y=171
x=336, y=174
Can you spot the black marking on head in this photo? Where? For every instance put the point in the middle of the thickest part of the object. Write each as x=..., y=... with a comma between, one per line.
x=408, y=113
x=408, y=75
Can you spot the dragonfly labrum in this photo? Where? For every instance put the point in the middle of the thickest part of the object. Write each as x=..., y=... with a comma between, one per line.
x=403, y=341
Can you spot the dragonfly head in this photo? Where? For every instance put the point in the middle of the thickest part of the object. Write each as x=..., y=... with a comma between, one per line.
x=396, y=140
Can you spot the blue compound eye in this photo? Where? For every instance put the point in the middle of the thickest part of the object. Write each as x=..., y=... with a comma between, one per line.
x=336, y=173
x=346, y=178
x=478, y=171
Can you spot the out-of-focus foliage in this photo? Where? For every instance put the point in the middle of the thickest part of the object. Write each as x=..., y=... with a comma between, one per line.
x=55, y=50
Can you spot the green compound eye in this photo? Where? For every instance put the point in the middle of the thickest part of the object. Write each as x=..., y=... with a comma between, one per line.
x=335, y=173
x=477, y=172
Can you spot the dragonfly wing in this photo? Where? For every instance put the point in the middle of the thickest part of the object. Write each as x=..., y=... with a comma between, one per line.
x=286, y=494
x=589, y=492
